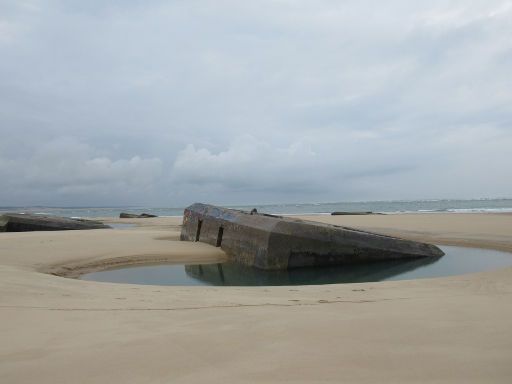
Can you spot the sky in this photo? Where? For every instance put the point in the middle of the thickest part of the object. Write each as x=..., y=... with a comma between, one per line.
x=164, y=103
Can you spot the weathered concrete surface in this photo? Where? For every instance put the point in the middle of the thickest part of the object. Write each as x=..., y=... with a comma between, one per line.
x=124, y=215
x=17, y=222
x=273, y=242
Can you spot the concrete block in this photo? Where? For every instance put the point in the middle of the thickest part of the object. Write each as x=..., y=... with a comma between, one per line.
x=275, y=243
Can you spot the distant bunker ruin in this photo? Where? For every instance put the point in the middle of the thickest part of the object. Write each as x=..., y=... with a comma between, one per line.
x=272, y=242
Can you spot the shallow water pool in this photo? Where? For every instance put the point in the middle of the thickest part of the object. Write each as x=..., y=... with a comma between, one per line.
x=456, y=261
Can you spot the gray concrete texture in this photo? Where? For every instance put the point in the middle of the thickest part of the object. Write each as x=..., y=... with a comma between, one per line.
x=274, y=243
x=18, y=222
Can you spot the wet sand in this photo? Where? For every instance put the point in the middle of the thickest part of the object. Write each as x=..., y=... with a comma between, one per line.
x=56, y=329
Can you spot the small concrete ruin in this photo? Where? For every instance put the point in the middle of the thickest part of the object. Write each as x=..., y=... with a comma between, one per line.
x=124, y=215
x=272, y=242
x=25, y=222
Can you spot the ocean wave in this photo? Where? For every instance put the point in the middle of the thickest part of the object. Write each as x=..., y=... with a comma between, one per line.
x=482, y=210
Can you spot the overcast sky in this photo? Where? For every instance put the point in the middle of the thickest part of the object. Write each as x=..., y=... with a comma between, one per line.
x=164, y=103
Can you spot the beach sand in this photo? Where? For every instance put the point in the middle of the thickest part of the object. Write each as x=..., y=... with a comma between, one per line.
x=61, y=330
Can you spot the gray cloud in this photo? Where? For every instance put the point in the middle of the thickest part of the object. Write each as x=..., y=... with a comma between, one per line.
x=63, y=170
x=163, y=103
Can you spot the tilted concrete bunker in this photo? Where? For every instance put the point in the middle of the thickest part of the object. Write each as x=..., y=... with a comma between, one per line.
x=273, y=242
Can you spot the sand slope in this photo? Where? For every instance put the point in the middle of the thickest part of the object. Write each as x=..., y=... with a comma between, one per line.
x=56, y=330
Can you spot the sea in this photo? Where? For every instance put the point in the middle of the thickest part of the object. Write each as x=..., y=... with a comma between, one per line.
x=388, y=207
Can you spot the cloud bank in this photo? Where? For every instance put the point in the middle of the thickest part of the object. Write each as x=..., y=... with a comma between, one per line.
x=160, y=103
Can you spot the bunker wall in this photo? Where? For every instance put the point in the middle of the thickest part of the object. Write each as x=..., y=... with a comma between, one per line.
x=243, y=244
x=275, y=243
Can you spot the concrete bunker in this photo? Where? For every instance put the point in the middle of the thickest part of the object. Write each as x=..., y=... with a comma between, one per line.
x=274, y=243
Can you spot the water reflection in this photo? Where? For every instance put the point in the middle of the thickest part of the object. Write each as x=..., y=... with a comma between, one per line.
x=236, y=274
x=456, y=261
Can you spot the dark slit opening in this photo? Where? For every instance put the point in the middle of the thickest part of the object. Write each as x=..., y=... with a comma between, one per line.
x=219, y=236
x=198, y=233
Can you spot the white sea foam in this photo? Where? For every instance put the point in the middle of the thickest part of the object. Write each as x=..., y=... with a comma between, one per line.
x=482, y=210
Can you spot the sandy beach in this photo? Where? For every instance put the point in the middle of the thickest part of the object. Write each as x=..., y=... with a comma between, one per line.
x=60, y=330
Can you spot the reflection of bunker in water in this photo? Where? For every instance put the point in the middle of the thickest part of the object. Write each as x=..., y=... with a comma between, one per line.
x=233, y=274
x=278, y=243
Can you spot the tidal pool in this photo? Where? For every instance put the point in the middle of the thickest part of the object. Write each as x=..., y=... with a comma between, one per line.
x=456, y=261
